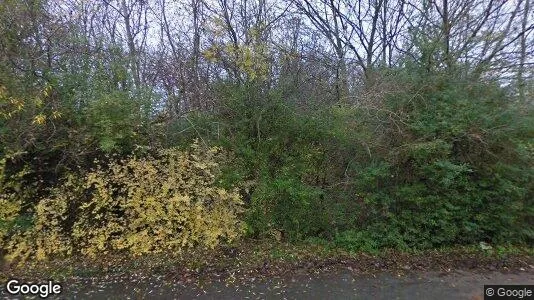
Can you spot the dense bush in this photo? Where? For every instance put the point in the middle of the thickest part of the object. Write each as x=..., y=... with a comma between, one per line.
x=438, y=162
x=419, y=145
x=461, y=175
x=441, y=162
x=161, y=202
x=10, y=200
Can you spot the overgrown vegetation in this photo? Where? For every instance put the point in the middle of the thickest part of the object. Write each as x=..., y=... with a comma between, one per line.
x=104, y=149
x=443, y=162
x=143, y=205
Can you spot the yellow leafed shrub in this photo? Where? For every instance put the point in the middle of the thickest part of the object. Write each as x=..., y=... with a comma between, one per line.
x=164, y=202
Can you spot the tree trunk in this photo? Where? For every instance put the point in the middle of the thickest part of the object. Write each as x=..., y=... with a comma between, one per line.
x=523, y=54
x=131, y=44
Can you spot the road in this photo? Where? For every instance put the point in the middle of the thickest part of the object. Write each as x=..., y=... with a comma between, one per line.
x=341, y=284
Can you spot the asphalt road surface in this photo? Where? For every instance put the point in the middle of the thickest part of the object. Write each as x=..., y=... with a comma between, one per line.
x=341, y=284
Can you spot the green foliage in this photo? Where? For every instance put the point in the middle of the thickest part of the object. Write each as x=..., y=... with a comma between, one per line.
x=441, y=163
x=279, y=151
x=434, y=159
x=287, y=205
x=460, y=176
x=454, y=167
x=10, y=203
x=116, y=121
x=356, y=241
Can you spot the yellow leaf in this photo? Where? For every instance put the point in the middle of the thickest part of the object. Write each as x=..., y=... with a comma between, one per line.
x=47, y=90
x=39, y=119
x=56, y=114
